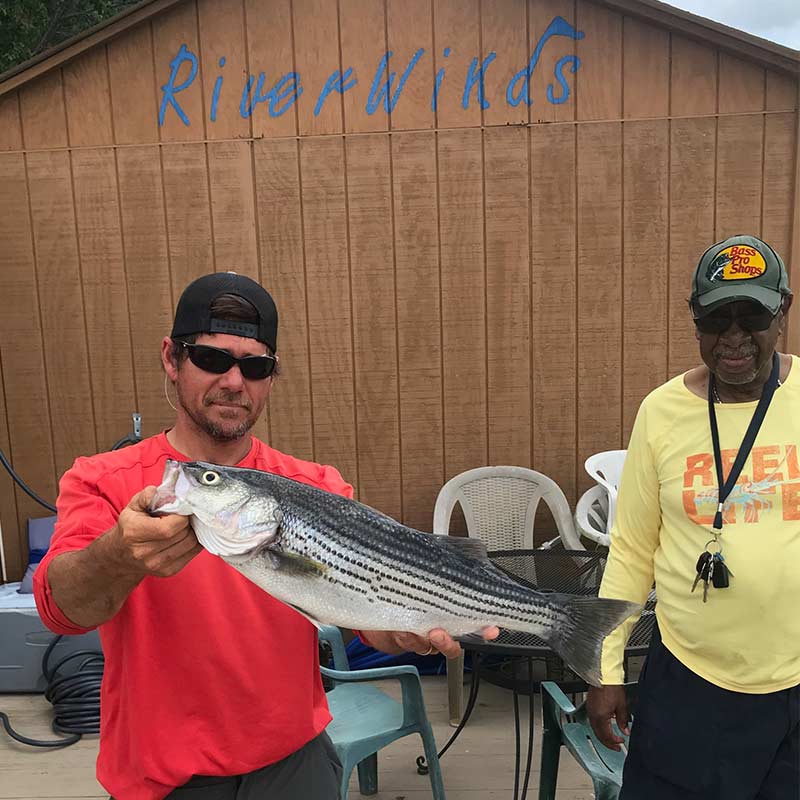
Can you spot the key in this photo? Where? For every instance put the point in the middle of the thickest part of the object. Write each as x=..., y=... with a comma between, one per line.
x=720, y=577
x=703, y=560
x=702, y=568
x=709, y=577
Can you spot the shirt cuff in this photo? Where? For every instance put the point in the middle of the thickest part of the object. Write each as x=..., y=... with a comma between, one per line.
x=52, y=616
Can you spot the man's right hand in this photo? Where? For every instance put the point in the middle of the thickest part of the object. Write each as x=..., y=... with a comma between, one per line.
x=604, y=704
x=141, y=544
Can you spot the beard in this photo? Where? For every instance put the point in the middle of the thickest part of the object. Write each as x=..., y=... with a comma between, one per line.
x=738, y=378
x=219, y=430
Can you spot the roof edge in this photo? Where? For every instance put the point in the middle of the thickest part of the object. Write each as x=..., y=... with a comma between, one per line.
x=744, y=45
x=71, y=48
x=740, y=43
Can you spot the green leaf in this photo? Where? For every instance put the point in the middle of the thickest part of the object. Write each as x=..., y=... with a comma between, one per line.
x=28, y=27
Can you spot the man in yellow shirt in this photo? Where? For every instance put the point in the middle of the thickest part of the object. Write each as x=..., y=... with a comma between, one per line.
x=709, y=509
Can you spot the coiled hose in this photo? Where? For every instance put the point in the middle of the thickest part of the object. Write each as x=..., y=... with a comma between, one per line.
x=75, y=698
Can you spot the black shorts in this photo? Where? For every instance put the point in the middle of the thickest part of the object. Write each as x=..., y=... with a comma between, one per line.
x=692, y=740
x=313, y=772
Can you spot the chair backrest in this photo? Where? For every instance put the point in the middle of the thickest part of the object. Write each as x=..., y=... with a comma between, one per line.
x=499, y=505
x=332, y=636
x=606, y=469
x=591, y=515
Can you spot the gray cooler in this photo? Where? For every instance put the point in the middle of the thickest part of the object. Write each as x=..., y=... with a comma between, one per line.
x=24, y=640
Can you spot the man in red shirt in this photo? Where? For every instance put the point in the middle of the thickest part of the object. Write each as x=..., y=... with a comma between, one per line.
x=210, y=684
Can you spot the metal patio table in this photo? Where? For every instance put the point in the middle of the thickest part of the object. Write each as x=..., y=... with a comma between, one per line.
x=552, y=570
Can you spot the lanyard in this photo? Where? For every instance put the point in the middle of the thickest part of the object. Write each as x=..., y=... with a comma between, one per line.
x=726, y=487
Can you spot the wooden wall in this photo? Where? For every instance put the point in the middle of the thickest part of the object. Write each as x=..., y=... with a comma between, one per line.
x=460, y=283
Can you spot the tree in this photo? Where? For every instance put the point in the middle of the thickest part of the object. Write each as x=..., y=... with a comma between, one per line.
x=28, y=27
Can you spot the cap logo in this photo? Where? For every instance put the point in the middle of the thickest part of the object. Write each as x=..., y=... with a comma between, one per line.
x=736, y=263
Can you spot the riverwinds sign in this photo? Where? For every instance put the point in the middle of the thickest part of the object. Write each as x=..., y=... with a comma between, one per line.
x=277, y=94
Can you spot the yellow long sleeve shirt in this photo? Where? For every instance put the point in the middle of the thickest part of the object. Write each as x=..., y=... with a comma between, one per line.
x=746, y=638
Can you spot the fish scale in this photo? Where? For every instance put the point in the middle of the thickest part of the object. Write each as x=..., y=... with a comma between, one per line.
x=340, y=562
x=398, y=556
x=505, y=591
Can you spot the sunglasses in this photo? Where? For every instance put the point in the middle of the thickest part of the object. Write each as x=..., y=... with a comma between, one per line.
x=759, y=319
x=212, y=359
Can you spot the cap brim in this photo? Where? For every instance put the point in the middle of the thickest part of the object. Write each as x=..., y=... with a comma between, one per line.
x=709, y=301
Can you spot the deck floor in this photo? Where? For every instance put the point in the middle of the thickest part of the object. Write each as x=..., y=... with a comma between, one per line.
x=479, y=766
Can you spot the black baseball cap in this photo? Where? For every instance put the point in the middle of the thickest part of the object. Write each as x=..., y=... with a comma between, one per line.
x=193, y=314
x=739, y=268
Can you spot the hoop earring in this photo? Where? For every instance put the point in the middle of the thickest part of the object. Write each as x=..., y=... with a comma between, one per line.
x=166, y=394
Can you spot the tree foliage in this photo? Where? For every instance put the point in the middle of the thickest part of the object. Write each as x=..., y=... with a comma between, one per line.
x=28, y=27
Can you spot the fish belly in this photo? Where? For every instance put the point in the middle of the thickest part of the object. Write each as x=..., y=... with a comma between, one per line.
x=330, y=602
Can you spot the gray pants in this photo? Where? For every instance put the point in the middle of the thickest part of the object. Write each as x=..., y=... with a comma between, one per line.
x=313, y=772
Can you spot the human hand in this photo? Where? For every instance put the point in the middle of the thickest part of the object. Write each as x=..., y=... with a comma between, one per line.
x=437, y=641
x=603, y=704
x=141, y=544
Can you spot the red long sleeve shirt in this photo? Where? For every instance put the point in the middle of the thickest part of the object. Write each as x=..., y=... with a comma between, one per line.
x=205, y=673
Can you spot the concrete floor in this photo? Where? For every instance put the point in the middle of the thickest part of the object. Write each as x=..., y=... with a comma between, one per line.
x=479, y=766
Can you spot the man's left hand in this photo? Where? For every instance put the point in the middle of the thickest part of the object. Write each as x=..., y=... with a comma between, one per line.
x=437, y=641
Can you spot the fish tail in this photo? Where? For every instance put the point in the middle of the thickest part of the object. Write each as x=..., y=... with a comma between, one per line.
x=584, y=624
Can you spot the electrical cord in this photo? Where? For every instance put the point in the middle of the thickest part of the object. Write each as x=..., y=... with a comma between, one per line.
x=75, y=698
x=131, y=438
x=22, y=485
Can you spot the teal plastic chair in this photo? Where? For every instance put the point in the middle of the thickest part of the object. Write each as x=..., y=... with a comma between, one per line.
x=365, y=719
x=565, y=725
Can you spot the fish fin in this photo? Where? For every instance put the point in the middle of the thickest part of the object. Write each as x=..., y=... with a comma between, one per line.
x=466, y=546
x=475, y=549
x=589, y=620
x=315, y=622
x=294, y=564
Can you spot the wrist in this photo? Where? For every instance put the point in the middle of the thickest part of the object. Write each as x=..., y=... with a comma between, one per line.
x=107, y=555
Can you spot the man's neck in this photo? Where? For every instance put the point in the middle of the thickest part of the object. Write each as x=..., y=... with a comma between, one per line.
x=197, y=445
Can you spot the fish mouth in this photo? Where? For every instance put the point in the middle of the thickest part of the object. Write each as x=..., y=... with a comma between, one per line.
x=166, y=493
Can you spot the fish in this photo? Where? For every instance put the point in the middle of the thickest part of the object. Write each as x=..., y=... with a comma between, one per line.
x=340, y=562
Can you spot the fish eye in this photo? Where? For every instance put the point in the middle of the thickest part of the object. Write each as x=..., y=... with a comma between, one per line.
x=209, y=478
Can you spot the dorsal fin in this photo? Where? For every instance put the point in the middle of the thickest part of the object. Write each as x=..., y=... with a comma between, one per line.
x=466, y=546
x=473, y=548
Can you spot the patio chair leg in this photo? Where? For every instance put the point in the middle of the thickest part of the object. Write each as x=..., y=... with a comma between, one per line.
x=551, y=752
x=455, y=688
x=368, y=775
x=434, y=769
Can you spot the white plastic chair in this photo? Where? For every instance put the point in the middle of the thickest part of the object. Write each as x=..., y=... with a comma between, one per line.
x=606, y=469
x=591, y=515
x=499, y=506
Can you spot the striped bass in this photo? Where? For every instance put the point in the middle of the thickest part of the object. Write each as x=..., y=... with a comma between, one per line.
x=339, y=562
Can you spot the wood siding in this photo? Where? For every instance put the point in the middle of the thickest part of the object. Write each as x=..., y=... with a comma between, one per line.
x=464, y=278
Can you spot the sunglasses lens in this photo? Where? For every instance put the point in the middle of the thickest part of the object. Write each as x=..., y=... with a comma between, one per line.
x=719, y=323
x=712, y=324
x=756, y=322
x=210, y=359
x=256, y=368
